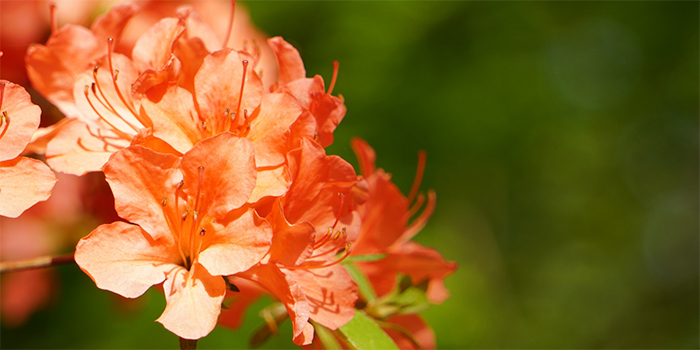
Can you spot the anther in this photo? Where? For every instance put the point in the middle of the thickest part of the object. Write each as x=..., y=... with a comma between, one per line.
x=164, y=201
x=202, y=232
x=94, y=70
x=94, y=90
x=336, y=235
x=316, y=136
x=204, y=125
x=184, y=215
x=180, y=184
x=116, y=74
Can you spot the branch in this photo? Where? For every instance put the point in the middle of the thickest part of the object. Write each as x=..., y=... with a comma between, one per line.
x=36, y=263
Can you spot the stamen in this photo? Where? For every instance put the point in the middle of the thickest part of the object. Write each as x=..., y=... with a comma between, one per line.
x=419, y=177
x=316, y=136
x=416, y=205
x=240, y=95
x=172, y=229
x=230, y=24
x=324, y=239
x=52, y=10
x=307, y=266
x=180, y=184
x=5, y=120
x=204, y=125
x=199, y=248
x=340, y=210
x=335, y=76
x=164, y=202
x=196, y=211
x=110, y=47
x=184, y=216
x=227, y=112
x=99, y=115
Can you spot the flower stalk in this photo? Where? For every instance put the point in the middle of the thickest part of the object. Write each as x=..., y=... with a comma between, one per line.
x=36, y=263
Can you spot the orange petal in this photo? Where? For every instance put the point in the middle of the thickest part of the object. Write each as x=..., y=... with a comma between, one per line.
x=151, y=78
x=291, y=67
x=111, y=24
x=419, y=222
x=42, y=136
x=174, y=118
x=228, y=173
x=269, y=129
x=291, y=244
x=415, y=325
x=23, y=183
x=237, y=246
x=286, y=289
x=306, y=336
x=140, y=178
x=249, y=292
x=193, y=302
x=124, y=259
x=331, y=293
x=78, y=149
x=365, y=155
x=23, y=116
x=218, y=86
x=271, y=182
x=196, y=27
x=154, y=47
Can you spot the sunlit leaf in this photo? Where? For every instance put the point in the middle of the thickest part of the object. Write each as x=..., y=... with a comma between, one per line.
x=362, y=333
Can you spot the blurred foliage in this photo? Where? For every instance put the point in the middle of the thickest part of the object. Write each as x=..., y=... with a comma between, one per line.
x=562, y=141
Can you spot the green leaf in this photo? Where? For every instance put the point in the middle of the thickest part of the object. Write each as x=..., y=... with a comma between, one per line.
x=362, y=333
x=326, y=336
x=364, y=258
x=364, y=286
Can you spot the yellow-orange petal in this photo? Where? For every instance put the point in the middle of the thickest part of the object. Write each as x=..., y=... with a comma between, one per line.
x=23, y=116
x=218, y=86
x=271, y=182
x=154, y=47
x=23, y=183
x=269, y=129
x=228, y=174
x=111, y=24
x=306, y=336
x=174, y=117
x=193, y=302
x=140, y=178
x=125, y=259
x=291, y=67
x=236, y=246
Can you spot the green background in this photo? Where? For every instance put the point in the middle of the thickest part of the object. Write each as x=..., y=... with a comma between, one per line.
x=562, y=142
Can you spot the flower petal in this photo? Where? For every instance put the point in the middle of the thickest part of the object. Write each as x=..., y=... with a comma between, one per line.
x=228, y=176
x=291, y=244
x=331, y=293
x=286, y=289
x=174, y=118
x=271, y=182
x=77, y=149
x=124, y=259
x=154, y=47
x=291, y=67
x=140, y=178
x=23, y=116
x=419, y=330
x=193, y=302
x=218, y=86
x=237, y=246
x=23, y=183
x=269, y=129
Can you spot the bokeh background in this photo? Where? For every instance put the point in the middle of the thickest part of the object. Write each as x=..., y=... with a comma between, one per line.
x=562, y=142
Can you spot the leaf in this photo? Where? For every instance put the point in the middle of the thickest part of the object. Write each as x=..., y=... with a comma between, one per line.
x=362, y=333
x=364, y=286
x=326, y=337
x=363, y=258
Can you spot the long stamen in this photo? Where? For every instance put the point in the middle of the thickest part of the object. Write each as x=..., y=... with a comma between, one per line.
x=335, y=76
x=202, y=232
x=195, y=217
x=334, y=248
x=324, y=239
x=117, y=131
x=240, y=95
x=4, y=119
x=340, y=210
x=230, y=24
x=52, y=10
x=110, y=44
x=307, y=266
x=179, y=236
x=419, y=177
x=419, y=202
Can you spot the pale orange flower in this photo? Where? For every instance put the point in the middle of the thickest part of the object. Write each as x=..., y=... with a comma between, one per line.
x=191, y=226
x=23, y=181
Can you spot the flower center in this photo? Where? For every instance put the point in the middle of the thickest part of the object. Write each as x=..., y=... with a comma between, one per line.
x=191, y=231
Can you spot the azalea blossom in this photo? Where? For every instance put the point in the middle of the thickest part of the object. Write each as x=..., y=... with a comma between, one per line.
x=23, y=181
x=191, y=226
x=385, y=230
x=311, y=224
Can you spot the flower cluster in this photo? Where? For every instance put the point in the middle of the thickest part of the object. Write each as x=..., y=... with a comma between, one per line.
x=215, y=155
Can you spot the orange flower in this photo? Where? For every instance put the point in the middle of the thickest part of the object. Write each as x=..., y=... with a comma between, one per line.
x=326, y=109
x=312, y=224
x=192, y=225
x=23, y=181
x=385, y=230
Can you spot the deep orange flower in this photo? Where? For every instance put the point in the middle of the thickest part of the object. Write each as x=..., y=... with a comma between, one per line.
x=327, y=110
x=23, y=181
x=191, y=226
x=311, y=223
